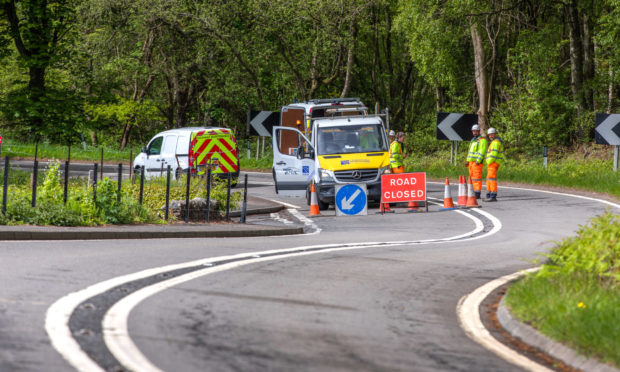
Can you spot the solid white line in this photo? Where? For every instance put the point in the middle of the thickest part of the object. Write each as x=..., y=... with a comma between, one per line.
x=469, y=318
x=57, y=319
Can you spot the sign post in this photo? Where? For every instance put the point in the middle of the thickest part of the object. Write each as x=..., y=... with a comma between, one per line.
x=403, y=187
x=351, y=199
x=607, y=132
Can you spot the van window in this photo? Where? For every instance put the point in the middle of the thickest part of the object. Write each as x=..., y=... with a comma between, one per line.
x=351, y=139
x=170, y=144
x=183, y=145
x=155, y=146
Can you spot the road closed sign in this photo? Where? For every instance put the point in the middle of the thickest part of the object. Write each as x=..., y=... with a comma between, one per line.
x=403, y=187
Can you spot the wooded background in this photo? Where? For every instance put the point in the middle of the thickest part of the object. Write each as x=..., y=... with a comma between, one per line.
x=118, y=71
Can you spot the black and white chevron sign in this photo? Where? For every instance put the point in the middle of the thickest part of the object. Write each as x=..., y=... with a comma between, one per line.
x=454, y=126
x=260, y=123
x=607, y=130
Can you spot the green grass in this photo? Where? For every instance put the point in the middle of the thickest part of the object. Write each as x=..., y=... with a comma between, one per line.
x=15, y=149
x=591, y=174
x=575, y=297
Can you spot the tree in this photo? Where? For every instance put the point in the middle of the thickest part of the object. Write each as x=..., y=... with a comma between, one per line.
x=37, y=27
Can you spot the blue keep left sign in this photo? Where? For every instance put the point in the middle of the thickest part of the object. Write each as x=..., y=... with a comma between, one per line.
x=351, y=200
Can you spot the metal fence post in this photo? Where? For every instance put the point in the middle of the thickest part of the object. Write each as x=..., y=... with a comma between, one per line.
x=66, y=185
x=35, y=173
x=141, y=184
x=5, y=189
x=545, y=156
x=245, y=199
x=228, y=199
x=120, y=180
x=95, y=183
x=208, y=194
x=167, y=192
x=187, y=197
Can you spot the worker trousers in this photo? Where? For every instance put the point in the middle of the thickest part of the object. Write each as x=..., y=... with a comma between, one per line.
x=492, y=178
x=475, y=173
x=400, y=169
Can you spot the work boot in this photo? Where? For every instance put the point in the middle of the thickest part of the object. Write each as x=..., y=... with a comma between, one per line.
x=477, y=193
x=491, y=198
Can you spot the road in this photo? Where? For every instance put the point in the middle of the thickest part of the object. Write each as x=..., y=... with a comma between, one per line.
x=366, y=293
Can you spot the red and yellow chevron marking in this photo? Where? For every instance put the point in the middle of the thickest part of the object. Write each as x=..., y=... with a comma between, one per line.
x=217, y=147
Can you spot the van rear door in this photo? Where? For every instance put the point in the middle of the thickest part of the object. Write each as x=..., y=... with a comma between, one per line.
x=293, y=161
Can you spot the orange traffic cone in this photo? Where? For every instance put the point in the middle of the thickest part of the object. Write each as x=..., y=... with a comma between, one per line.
x=462, y=201
x=385, y=208
x=448, y=204
x=413, y=206
x=314, y=203
x=471, y=197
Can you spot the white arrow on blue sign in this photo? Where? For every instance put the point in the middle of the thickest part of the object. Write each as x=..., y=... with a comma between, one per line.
x=351, y=200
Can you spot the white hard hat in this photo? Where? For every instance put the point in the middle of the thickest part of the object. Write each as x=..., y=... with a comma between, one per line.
x=491, y=130
x=392, y=133
x=475, y=127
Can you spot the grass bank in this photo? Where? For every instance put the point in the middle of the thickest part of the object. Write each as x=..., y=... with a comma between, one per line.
x=575, y=297
x=15, y=149
x=591, y=174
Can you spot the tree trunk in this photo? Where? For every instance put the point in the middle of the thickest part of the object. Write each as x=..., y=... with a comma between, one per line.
x=576, y=54
x=482, y=81
x=350, y=57
x=36, y=87
x=93, y=138
x=588, y=62
x=610, y=90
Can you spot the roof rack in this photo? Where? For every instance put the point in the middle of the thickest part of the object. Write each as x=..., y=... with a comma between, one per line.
x=333, y=100
x=348, y=117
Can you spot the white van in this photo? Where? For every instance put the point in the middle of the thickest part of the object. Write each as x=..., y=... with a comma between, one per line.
x=190, y=147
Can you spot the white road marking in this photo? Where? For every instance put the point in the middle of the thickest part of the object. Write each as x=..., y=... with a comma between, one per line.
x=115, y=330
x=469, y=319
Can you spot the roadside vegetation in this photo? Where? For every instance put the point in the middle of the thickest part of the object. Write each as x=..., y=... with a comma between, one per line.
x=81, y=208
x=16, y=149
x=575, y=297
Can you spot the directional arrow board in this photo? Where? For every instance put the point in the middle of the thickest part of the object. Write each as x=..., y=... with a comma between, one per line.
x=454, y=126
x=260, y=123
x=607, y=131
x=351, y=200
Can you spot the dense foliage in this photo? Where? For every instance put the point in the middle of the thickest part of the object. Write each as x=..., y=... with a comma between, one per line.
x=117, y=70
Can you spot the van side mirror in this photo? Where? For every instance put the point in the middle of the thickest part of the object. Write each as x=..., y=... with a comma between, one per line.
x=301, y=152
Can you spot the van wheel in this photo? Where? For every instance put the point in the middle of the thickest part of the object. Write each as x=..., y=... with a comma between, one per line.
x=323, y=206
x=178, y=173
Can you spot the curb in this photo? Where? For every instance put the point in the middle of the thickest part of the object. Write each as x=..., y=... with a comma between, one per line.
x=154, y=231
x=149, y=234
x=531, y=336
x=468, y=312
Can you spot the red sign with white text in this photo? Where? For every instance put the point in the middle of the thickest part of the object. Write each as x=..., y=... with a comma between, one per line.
x=403, y=187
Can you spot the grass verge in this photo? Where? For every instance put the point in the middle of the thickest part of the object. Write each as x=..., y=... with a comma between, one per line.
x=575, y=297
x=15, y=149
x=584, y=174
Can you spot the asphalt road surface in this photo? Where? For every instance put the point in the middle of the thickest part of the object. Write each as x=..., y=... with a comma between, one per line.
x=364, y=293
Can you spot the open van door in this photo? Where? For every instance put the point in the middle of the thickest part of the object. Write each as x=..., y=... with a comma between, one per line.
x=293, y=161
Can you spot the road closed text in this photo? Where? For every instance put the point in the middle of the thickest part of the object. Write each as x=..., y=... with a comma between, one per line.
x=403, y=187
x=407, y=194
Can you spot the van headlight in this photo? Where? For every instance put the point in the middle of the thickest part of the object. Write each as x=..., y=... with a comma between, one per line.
x=326, y=175
x=384, y=170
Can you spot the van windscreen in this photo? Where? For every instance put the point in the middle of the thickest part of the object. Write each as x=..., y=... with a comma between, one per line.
x=351, y=139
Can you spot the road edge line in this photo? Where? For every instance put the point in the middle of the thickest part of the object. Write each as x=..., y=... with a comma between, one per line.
x=468, y=312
